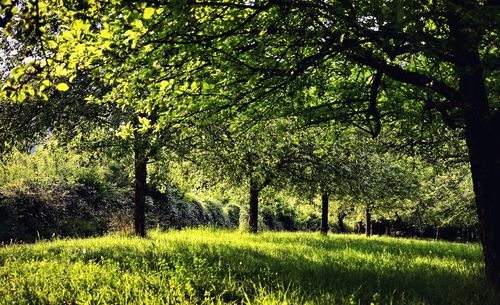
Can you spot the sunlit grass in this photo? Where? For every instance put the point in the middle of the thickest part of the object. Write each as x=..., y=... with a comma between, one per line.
x=215, y=266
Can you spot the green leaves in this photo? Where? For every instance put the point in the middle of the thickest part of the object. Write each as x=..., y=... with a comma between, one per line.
x=62, y=87
x=126, y=131
x=145, y=124
x=52, y=44
x=17, y=73
x=148, y=13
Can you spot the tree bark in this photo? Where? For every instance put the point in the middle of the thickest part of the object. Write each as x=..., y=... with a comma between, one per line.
x=482, y=136
x=340, y=222
x=140, y=173
x=359, y=227
x=253, y=215
x=368, y=229
x=482, y=129
x=324, y=213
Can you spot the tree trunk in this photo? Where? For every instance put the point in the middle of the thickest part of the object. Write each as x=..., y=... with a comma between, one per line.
x=482, y=129
x=324, y=213
x=253, y=215
x=437, y=234
x=359, y=227
x=140, y=173
x=482, y=136
x=368, y=229
x=340, y=222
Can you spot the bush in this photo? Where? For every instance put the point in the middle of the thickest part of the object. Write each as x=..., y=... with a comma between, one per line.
x=309, y=222
x=278, y=216
x=233, y=215
x=173, y=210
x=216, y=215
x=34, y=211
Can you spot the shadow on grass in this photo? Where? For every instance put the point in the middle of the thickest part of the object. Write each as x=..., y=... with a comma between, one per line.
x=352, y=272
x=316, y=267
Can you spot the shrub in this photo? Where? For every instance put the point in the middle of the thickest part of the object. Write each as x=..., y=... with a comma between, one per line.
x=215, y=214
x=36, y=211
x=173, y=210
x=309, y=221
x=233, y=215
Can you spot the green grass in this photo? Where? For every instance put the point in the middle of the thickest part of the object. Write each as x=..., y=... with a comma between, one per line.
x=214, y=266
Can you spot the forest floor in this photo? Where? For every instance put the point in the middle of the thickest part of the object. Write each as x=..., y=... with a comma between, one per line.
x=208, y=266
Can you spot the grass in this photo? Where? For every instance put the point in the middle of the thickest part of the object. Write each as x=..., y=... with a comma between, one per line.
x=205, y=266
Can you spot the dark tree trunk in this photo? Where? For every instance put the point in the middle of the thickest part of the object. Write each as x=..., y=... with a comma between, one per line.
x=368, y=229
x=482, y=130
x=437, y=234
x=482, y=135
x=324, y=213
x=340, y=222
x=253, y=215
x=140, y=172
x=359, y=227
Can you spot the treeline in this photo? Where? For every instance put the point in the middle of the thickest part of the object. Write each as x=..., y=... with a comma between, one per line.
x=36, y=212
x=56, y=192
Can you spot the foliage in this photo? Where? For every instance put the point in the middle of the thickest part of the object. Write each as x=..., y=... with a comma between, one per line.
x=254, y=157
x=174, y=211
x=455, y=199
x=278, y=216
x=37, y=211
x=320, y=163
x=51, y=163
x=57, y=191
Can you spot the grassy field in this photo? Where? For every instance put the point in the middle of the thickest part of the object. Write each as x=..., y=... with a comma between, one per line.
x=219, y=267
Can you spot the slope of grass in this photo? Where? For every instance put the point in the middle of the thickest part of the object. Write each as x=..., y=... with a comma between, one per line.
x=218, y=267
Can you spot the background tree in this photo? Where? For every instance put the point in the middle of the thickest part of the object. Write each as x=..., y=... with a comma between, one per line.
x=253, y=158
x=447, y=200
x=319, y=167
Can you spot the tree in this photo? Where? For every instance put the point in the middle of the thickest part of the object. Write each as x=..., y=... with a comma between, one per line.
x=253, y=158
x=378, y=180
x=59, y=51
x=319, y=166
x=447, y=199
